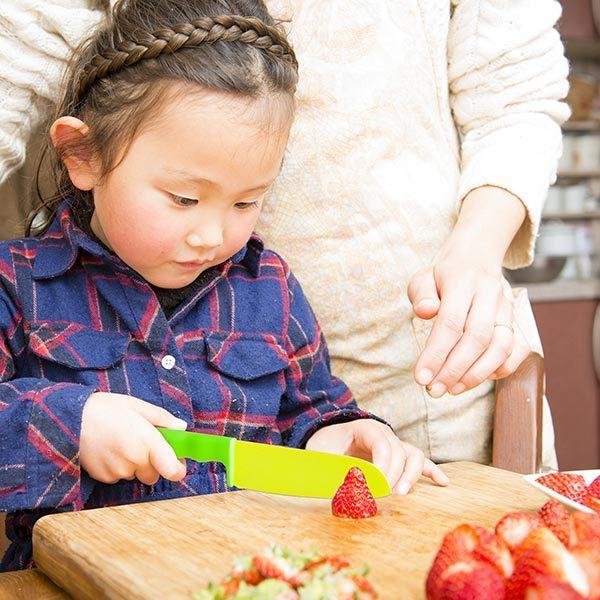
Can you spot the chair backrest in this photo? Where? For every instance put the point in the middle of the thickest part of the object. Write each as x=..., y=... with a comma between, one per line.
x=517, y=444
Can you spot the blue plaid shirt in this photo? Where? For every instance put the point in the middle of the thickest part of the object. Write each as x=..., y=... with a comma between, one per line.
x=246, y=359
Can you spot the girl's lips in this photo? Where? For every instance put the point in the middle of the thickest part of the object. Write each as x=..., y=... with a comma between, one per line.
x=196, y=264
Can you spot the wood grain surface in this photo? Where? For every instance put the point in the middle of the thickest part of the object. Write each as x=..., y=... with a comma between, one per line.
x=171, y=548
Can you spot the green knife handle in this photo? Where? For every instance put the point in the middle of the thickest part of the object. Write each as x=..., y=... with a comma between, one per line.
x=201, y=447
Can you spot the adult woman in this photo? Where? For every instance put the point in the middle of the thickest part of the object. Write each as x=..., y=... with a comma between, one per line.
x=426, y=137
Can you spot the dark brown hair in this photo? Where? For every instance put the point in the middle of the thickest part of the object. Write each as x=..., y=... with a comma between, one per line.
x=118, y=77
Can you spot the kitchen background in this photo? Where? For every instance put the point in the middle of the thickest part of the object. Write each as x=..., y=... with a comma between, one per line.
x=563, y=282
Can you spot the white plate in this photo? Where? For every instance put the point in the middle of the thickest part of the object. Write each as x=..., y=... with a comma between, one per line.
x=589, y=476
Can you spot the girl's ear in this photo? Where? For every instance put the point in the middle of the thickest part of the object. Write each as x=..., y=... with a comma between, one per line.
x=69, y=136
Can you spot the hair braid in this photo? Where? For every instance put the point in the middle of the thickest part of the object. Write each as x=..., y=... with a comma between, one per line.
x=204, y=30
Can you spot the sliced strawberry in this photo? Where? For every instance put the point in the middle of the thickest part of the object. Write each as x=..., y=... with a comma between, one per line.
x=456, y=546
x=470, y=579
x=268, y=568
x=546, y=588
x=588, y=557
x=586, y=528
x=567, y=484
x=364, y=586
x=335, y=562
x=514, y=527
x=593, y=503
x=496, y=553
x=542, y=553
x=558, y=519
x=594, y=488
x=353, y=499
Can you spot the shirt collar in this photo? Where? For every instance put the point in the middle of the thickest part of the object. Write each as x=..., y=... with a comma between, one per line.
x=59, y=248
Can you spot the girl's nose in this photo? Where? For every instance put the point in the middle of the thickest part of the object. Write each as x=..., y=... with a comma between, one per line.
x=206, y=237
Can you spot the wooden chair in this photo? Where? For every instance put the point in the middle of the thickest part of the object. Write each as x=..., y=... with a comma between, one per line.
x=517, y=422
x=517, y=443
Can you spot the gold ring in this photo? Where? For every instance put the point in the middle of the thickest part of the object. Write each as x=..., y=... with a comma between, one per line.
x=501, y=324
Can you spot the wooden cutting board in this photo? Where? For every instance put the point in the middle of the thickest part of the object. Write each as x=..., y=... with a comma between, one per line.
x=171, y=548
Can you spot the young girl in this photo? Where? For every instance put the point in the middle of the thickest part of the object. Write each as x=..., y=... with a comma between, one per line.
x=147, y=301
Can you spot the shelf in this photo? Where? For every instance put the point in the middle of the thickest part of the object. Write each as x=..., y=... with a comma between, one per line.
x=578, y=174
x=584, y=49
x=572, y=216
x=586, y=126
x=561, y=290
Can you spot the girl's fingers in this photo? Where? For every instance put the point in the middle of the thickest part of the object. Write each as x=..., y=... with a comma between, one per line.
x=398, y=460
x=423, y=294
x=156, y=415
x=500, y=348
x=369, y=438
x=445, y=333
x=431, y=470
x=163, y=458
x=413, y=467
x=147, y=474
x=474, y=342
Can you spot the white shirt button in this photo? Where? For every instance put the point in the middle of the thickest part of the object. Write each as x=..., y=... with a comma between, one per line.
x=168, y=362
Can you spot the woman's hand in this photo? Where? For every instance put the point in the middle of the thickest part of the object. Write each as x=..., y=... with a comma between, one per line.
x=474, y=337
x=119, y=440
x=371, y=440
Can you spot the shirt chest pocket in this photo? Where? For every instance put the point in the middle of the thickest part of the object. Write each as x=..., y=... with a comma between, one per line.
x=73, y=352
x=249, y=370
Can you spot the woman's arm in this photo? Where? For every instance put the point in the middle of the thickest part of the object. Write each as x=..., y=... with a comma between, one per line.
x=507, y=76
x=36, y=39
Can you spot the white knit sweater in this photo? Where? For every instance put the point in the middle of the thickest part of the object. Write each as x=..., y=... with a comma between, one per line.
x=404, y=107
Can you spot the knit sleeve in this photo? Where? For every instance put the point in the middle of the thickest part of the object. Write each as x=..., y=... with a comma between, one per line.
x=507, y=76
x=36, y=39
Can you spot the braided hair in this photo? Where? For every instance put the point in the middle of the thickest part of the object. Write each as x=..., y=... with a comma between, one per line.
x=118, y=77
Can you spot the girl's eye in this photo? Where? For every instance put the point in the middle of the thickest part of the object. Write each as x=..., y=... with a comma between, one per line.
x=246, y=205
x=182, y=201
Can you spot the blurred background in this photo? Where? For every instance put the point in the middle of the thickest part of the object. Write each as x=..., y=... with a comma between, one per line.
x=564, y=281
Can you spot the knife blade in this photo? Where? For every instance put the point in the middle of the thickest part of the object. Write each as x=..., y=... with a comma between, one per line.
x=275, y=469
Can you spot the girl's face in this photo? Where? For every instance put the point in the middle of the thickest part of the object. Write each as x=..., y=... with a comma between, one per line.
x=190, y=188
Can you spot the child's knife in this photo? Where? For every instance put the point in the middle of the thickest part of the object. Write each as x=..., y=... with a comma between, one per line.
x=275, y=469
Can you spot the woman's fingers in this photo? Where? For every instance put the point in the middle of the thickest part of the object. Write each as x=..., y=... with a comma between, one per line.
x=475, y=340
x=423, y=294
x=497, y=351
x=445, y=333
x=520, y=352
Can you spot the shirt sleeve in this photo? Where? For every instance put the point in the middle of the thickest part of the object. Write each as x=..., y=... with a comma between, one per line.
x=40, y=425
x=313, y=398
x=507, y=75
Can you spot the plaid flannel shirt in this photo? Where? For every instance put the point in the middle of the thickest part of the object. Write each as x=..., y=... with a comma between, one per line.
x=243, y=356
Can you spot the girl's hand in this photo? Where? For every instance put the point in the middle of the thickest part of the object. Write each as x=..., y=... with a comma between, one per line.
x=474, y=336
x=119, y=440
x=371, y=440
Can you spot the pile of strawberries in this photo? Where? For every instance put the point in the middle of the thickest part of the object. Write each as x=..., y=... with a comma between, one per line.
x=573, y=486
x=550, y=555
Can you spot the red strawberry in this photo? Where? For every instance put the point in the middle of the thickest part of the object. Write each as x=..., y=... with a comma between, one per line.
x=514, y=527
x=593, y=503
x=543, y=554
x=470, y=579
x=456, y=546
x=567, y=484
x=594, y=488
x=558, y=519
x=496, y=553
x=588, y=557
x=586, y=528
x=354, y=500
x=335, y=562
x=546, y=588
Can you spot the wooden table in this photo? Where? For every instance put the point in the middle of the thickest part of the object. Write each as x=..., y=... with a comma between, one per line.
x=169, y=549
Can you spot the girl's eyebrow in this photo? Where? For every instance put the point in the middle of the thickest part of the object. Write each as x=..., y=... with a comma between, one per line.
x=197, y=179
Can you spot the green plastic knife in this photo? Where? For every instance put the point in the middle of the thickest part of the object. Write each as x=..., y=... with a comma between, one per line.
x=275, y=469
